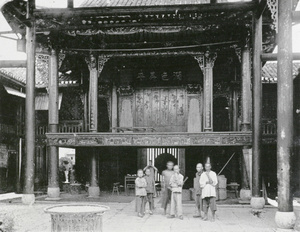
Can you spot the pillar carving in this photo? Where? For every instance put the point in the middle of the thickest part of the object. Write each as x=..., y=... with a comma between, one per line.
x=206, y=63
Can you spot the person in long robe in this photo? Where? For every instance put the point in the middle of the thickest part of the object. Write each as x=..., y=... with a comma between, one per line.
x=166, y=190
x=198, y=190
x=208, y=182
x=176, y=183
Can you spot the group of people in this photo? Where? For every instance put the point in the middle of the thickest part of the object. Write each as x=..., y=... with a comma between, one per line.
x=172, y=182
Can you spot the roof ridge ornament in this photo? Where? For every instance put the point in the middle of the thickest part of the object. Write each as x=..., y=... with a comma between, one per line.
x=273, y=6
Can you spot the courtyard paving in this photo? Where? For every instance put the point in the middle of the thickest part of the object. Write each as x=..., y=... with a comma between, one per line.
x=122, y=218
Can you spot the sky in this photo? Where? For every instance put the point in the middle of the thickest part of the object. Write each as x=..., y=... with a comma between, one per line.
x=8, y=47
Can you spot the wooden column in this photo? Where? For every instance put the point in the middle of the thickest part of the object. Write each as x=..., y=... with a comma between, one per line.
x=95, y=66
x=114, y=108
x=53, y=190
x=93, y=94
x=246, y=88
x=257, y=202
x=208, y=90
x=28, y=190
x=206, y=64
x=141, y=158
x=285, y=218
x=181, y=163
x=94, y=190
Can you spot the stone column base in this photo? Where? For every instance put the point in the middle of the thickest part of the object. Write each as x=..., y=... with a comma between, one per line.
x=94, y=191
x=28, y=199
x=285, y=221
x=257, y=204
x=245, y=194
x=53, y=194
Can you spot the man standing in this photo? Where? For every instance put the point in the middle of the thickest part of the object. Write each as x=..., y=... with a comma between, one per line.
x=198, y=190
x=176, y=183
x=166, y=194
x=208, y=182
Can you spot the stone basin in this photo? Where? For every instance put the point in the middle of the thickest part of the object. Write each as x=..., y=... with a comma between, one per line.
x=76, y=217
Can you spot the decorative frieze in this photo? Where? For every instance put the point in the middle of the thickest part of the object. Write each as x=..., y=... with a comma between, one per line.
x=151, y=139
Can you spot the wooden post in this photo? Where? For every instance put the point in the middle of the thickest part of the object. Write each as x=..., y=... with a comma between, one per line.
x=28, y=190
x=285, y=217
x=257, y=202
x=246, y=88
x=94, y=190
x=114, y=108
x=53, y=190
x=93, y=93
x=245, y=192
x=208, y=90
x=181, y=160
x=95, y=66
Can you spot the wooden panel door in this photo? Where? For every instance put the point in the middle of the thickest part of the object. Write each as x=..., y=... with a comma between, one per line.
x=164, y=109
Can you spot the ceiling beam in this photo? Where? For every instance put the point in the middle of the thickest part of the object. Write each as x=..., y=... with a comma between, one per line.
x=273, y=56
x=125, y=10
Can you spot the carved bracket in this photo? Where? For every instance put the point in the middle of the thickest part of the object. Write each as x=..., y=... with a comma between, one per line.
x=210, y=59
x=91, y=61
x=61, y=57
x=273, y=7
x=102, y=59
x=200, y=60
x=238, y=52
x=206, y=60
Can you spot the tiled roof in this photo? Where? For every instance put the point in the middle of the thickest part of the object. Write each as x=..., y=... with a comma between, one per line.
x=112, y=3
x=41, y=81
x=17, y=74
x=269, y=71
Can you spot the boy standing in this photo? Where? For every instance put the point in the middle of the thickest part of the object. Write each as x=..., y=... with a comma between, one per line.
x=140, y=192
x=198, y=190
x=176, y=183
x=208, y=182
x=150, y=189
x=166, y=193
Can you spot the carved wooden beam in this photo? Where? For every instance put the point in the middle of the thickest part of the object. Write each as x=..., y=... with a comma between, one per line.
x=150, y=139
x=121, y=10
